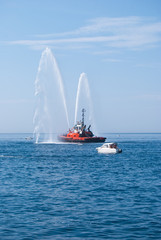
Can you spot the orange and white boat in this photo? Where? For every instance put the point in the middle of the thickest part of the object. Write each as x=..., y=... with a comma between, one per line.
x=79, y=134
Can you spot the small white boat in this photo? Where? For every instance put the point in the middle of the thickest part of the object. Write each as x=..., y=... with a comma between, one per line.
x=109, y=148
x=28, y=138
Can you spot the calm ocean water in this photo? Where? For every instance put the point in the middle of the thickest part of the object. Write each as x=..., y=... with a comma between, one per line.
x=69, y=191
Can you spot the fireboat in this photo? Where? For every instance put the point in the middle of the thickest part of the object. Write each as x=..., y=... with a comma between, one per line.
x=79, y=134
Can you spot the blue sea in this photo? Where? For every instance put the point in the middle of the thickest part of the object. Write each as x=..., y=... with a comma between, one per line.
x=69, y=191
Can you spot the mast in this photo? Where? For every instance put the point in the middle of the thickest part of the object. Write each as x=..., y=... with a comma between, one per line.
x=83, y=111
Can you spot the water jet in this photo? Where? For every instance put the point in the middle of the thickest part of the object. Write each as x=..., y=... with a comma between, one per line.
x=51, y=115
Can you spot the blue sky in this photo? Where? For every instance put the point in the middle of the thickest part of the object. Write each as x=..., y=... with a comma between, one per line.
x=117, y=43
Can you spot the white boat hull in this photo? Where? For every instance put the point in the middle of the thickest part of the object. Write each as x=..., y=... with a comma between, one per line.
x=107, y=150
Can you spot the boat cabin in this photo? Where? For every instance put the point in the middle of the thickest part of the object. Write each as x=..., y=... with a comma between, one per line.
x=78, y=127
x=109, y=145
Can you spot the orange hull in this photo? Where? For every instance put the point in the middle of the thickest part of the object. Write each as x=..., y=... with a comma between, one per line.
x=81, y=139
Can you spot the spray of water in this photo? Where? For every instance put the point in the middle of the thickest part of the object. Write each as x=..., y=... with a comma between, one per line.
x=83, y=100
x=51, y=115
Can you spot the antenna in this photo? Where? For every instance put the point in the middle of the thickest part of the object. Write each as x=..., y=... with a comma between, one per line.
x=83, y=111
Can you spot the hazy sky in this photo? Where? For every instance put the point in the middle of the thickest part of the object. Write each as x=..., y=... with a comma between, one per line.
x=117, y=43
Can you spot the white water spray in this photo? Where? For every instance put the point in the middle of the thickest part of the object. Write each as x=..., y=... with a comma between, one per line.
x=83, y=100
x=51, y=115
